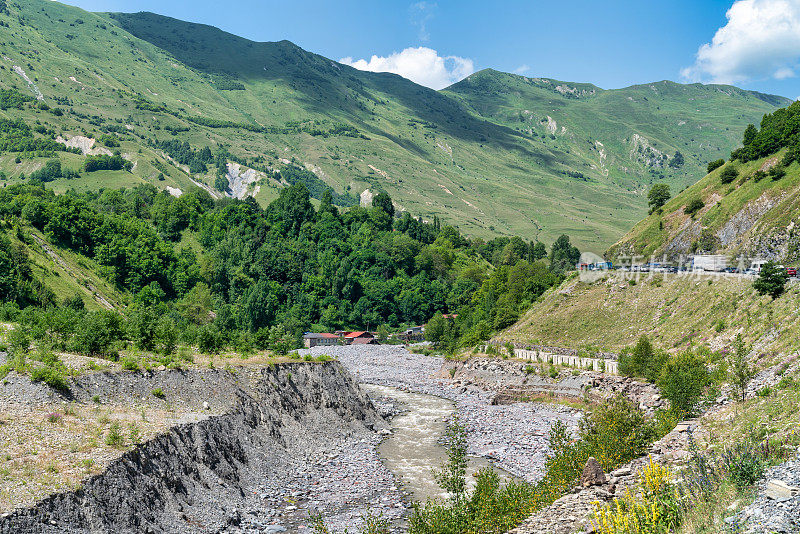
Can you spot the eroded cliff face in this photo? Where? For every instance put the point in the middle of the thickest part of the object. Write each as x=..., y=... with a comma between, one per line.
x=196, y=477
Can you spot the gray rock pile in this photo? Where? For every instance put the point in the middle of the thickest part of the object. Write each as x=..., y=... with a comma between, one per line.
x=777, y=507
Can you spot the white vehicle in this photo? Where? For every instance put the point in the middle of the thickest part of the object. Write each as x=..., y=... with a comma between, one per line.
x=709, y=262
x=756, y=265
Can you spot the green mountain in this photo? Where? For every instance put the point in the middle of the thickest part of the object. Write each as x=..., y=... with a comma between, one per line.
x=481, y=155
x=746, y=206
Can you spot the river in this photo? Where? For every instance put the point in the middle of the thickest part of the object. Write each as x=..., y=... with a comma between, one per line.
x=414, y=449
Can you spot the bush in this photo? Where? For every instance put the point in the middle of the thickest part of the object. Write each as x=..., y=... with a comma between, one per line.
x=694, y=206
x=729, y=174
x=642, y=360
x=159, y=393
x=51, y=375
x=209, y=339
x=114, y=438
x=130, y=363
x=683, y=381
x=714, y=165
x=776, y=173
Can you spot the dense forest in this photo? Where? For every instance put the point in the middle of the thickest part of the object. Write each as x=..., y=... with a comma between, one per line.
x=229, y=273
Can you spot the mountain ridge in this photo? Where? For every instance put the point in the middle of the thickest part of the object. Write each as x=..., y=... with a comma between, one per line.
x=271, y=105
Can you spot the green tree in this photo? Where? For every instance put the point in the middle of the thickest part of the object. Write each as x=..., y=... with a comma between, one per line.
x=682, y=382
x=677, y=160
x=643, y=360
x=221, y=183
x=741, y=370
x=538, y=251
x=658, y=196
x=563, y=255
x=771, y=280
x=451, y=477
x=694, y=205
x=750, y=134
x=384, y=202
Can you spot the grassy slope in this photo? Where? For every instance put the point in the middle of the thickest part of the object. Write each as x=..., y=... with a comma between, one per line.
x=674, y=311
x=68, y=274
x=435, y=154
x=762, y=211
x=700, y=121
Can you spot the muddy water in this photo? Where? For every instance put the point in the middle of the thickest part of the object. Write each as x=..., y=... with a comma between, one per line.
x=413, y=450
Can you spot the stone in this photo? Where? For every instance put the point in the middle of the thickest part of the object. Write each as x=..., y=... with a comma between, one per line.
x=621, y=472
x=593, y=474
x=682, y=427
x=205, y=405
x=778, y=489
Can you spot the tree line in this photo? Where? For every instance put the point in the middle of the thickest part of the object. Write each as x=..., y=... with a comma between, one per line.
x=288, y=265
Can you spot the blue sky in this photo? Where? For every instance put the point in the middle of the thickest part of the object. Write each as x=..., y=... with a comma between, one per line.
x=751, y=43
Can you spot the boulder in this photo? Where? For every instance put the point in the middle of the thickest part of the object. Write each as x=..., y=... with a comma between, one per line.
x=778, y=489
x=593, y=474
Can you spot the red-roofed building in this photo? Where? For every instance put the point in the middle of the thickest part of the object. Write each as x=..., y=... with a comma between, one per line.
x=350, y=337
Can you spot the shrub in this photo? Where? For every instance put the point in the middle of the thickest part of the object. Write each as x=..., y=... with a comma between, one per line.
x=683, y=381
x=159, y=393
x=694, y=206
x=652, y=509
x=114, y=437
x=744, y=464
x=759, y=175
x=51, y=375
x=729, y=174
x=130, y=363
x=777, y=172
x=209, y=339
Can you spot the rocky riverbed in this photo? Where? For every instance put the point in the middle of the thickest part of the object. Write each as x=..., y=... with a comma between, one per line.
x=513, y=436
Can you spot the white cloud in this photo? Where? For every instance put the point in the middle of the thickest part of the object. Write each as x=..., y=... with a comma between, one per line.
x=421, y=65
x=761, y=40
x=522, y=69
x=421, y=13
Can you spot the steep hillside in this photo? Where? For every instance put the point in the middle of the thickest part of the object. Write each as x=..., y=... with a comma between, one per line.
x=267, y=107
x=674, y=311
x=747, y=207
x=628, y=137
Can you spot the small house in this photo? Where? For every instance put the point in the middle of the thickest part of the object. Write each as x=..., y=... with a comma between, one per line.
x=324, y=339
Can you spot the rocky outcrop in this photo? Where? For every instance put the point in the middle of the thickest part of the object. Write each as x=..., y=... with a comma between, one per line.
x=196, y=476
